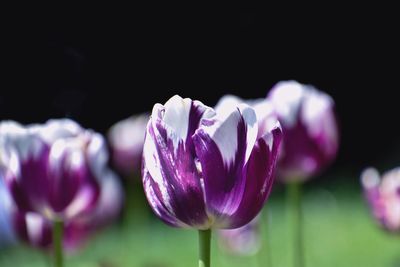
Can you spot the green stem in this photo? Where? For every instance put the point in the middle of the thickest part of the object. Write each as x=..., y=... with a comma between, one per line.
x=204, y=248
x=58, y=231
x=266, y=245
x=294, y=202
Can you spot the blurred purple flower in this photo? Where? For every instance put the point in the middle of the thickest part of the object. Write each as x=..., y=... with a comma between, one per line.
x=383, y=196
x=243, y=241
x=126, y=139
x=203, y=169
x=52, y=169
x=36, y=230
x=309, y=124
x=7, y=235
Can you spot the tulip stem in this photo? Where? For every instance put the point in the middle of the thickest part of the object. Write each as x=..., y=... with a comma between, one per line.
x=58, y=231
x=204, y=247
x=266, y=245
x=294, y=201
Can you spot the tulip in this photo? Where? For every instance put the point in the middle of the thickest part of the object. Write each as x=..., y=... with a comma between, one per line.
x=242, y=241
x=382, y=194
x=203, y=169
x=7, y=235
x=36, y=230
x=311, y=137
x=126, y=140
x=53, y=170
x=310, y=142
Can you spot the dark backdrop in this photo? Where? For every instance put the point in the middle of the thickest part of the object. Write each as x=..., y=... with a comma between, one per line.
x=100, y=66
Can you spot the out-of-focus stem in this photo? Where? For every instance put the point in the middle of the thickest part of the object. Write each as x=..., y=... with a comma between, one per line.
x=58, y=232
x=294, y=202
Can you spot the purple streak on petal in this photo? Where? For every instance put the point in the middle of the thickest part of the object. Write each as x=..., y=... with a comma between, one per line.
x=197, y=112
x=181, y=177
x=259, y=178
x=154, y=197
x=223, y=182
x=64, y=184
x=29, y=187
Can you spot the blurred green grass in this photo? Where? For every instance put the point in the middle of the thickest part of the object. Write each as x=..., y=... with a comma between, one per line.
x=338, y=232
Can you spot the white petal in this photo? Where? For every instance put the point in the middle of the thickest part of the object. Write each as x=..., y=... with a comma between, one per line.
x=176, y=116
x=153, y=166
x=224, y=130
x=128, y=134
x=80, y=202
x=97, y=154
x=227, y=102
x=370, y=178
x=317, y=113
x=34, y=227
x=286, y=97
x=14, y=138
x=55, y=129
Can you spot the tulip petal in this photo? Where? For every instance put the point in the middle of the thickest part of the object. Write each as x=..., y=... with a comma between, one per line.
x=170, y=174
x=223, y=145
x=156, y=201
x=28, y=192
x=260, y=177
x=71, y=185
x=32, y=228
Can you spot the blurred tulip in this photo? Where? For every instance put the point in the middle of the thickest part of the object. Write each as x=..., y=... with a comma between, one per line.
x=382, y=194
x=311, y=137
x=242, y=241
x=204, y=169
x=36, y=230
x=7, y=235
x=126, y=139
x=52, y=169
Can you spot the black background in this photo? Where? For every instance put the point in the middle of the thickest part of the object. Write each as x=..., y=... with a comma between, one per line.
x=99, y=66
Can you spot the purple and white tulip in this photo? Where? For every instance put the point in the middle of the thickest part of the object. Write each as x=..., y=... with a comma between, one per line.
x=204, y=169
x=311, y=137
x=36, y=230
x=382, y=194
x=126, y=139
x=242, y=241
x=52, y=169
